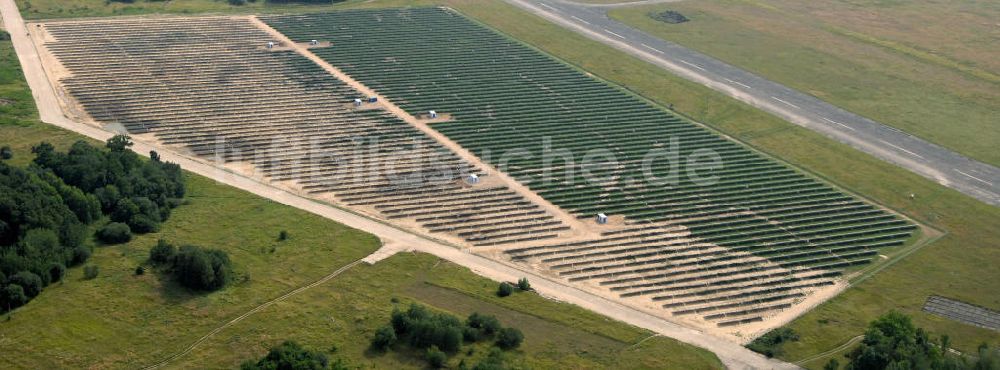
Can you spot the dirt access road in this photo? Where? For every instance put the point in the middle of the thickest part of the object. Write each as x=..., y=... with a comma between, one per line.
x=732, y=355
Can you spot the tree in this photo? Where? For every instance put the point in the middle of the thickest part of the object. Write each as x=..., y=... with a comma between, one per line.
x=893, y=342
x=283, y=235
x=154, y=156
x=509, y=338
x=6, y=153
x=289, y=355
x=436, y=358
x=114, y=233
x=505, y=289
x=124, y=210
x=202, y=269
x=119, y=143
x=30, y=282
x=384, y=338
x=12, y=296
x=162, y=253
x=139, y=270
x=523, y=284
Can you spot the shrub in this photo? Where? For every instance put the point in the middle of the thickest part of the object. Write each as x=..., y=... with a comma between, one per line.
x=421, y=328
x=56, y=272
x=202, y=269
x=143, y=224
x=384, y=338
x=485, y=324
x=80, y=255
x=12, y=296
x=30, y=282
x=6, y=153
x=283, y=235
x=771, y=344
x=509, y=338
x=162, y=253
x=436, y=358
x=91, y=272
x=139, y=270
x=523, y=284
x=833, y=364
x=494, y=361
x=114, y=233
x=505, y=289
x=289, y=355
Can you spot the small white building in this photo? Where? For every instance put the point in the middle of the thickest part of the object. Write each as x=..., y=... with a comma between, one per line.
x=433, y=114
x=270, y=44
x=602, y=218
x=472, y=179
x=357, y=102
x=314, y=42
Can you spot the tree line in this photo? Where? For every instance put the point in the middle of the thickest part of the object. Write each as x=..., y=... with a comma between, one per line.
x=48, y=207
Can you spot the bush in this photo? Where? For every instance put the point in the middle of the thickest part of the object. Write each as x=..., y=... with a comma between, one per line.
x=493, y=361
x=283, y=235
x=30, y=282
x=509, y=338
x=91, y=272
x=523, y=284
x=80, y=255
x=12, y=296
x=486, y=325
x=384, y=338
x=436, y=358
x=202, y=269
x=289, y=355
x=833, y=364
x=139, y=270
x=162, y=253
x=422, y=329
x=505, y=289
x=6, y=153
x=56, y=272
x=114, y=233
x=771, y=344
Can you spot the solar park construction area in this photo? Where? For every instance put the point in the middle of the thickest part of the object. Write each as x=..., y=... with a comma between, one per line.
x=315, y=103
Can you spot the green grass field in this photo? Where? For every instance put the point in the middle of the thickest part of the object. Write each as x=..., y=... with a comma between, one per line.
x=960, y=265
x=121, y=320
x=923, y=67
